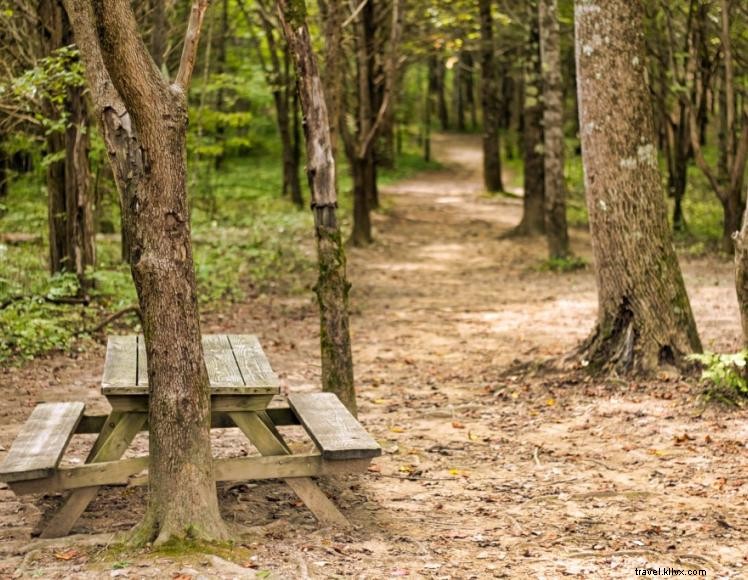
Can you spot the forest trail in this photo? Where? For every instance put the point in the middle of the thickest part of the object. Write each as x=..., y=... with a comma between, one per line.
x=485, y=474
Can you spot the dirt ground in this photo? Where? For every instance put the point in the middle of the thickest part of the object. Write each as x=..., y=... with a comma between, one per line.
x=486, y=473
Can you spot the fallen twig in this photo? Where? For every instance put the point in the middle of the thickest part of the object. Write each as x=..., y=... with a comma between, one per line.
x=112, y=317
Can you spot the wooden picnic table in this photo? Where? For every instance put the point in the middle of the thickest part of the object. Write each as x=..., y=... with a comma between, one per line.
x=242, y=386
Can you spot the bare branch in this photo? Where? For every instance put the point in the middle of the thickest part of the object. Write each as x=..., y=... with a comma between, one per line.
x=354, y=14
x=191, y=40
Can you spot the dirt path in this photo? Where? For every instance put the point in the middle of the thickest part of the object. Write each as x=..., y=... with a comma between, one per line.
x=485, y=475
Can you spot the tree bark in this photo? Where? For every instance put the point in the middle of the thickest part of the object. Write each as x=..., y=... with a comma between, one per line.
x=332, y=286
x=644, y=315
x=159, y=31
x=533, y=214
x=458, y=92
x=489, y=102
x=553, y=130
x=70, y=207
x=144, y=121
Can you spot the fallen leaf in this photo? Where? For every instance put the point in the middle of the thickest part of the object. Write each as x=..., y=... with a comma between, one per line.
x=375, y=469
x=550, y=402
x=397, y=429
x=67, y=554
x=457, y=425
x=472, y=436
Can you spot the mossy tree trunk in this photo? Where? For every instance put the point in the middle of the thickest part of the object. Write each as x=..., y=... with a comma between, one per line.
x=332, y=285
x=553, y=130
x=533, y=214
x=144, y=120
x=644, y=316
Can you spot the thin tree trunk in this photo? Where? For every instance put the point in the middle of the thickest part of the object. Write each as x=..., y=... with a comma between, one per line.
x=145, y=122
x=441, y=73
x=533, y=215
x=159, y=31
x=644, y=315
x=489, y=102
x=221, y=39
x=470, y=89
x=458, y=91
x=4, y=164
x=361, y=233
x=332, y=285
x=553, y=130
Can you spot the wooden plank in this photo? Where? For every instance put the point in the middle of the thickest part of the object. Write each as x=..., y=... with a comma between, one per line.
x=252, y=362
x=41, y=442
x=255, y=427
x=123, y=472
x=336, y=432
x=142, y=364
x=227, y=369
x=112, y=446
x=223, y=370
x=218, y=403
x=120, y=367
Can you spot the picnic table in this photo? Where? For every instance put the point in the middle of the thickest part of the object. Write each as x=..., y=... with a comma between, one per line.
x=242, y=386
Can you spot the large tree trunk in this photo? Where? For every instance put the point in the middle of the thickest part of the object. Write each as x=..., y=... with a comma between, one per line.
x=553, y=130
x=332, y=286
x=644, y=317
x=533, y=215
x=489, y=102
x=146, y=143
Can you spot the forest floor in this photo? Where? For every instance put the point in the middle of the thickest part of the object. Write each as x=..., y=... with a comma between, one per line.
x=487, y=471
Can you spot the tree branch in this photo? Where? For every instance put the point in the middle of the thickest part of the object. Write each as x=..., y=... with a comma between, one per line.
x=191, y=40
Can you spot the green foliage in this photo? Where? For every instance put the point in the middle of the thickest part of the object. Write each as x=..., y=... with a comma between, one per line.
x=47, y=82
x=32, y=326
x=562, y=265
x=724, y=376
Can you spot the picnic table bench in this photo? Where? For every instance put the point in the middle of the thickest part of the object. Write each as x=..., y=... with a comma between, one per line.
x=242, y=386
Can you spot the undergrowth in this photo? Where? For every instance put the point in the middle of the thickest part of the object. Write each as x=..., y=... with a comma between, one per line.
x=247, y=240
x=724, y=377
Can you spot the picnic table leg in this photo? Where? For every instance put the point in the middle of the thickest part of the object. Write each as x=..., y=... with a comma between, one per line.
x=259, y=429
x=114, y=439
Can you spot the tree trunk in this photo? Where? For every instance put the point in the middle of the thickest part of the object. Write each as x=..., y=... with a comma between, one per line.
x=78, y=195
x=644, y=315
x=458, y=91
x=71, y=233
x=533, y=215
x=441, y=72
x=159, y=31
x=361, y=233
x=489, y=102
x=553, y=130
x=221, y=39
x=3, y=169
x=182, y=500
x=332, y=286
x=741, y=275
x=296, y=196
x=470, y=89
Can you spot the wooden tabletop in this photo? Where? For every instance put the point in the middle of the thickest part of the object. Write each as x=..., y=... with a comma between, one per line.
x=236, y=365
